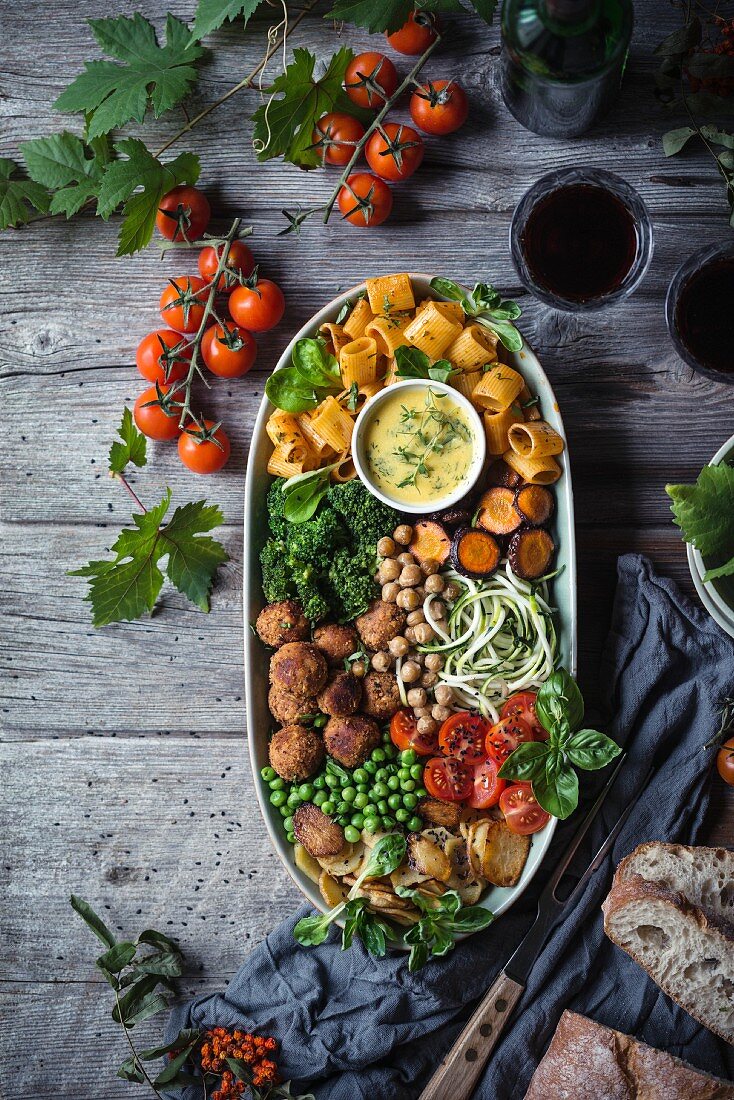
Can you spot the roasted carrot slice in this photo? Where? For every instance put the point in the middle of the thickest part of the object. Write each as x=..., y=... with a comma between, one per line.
x=497, y=512
x=430, y=542
x=499, y=473
x=530, y=552
x=474, y=553
x=535, y=504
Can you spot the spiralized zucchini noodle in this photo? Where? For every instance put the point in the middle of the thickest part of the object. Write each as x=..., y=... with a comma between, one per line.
x=500, y=638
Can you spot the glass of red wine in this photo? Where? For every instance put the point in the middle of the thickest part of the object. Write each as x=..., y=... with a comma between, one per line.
x=699, y=309
x=581, y=238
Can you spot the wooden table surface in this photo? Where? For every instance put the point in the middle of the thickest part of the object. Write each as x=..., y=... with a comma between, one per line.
x=125, y=772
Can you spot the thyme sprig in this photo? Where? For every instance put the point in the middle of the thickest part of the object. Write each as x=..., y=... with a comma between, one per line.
x=435, y=430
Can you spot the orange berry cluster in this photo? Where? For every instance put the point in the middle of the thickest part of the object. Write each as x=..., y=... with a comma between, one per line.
x=720, y=86
x=220, y=1044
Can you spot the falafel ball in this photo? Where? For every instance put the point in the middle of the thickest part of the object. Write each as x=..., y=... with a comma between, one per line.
x=286, y=707
x=298, y=667
x=350, y=740
x=296, y=752
x=282, y=622
x=380, y=624
x=380, y=695
x=336, y=641
x=341, y=695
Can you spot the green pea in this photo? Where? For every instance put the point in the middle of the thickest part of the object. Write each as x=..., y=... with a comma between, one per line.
x=278, y=798
x=363, y=788
x=294, y=799
x=288, y=824
x=416, y=772
x=415, y=824
x=277, y=784
x=409, y=785
x=388, y=823
x=393, y=782
x=394, y=801
x=381, y=775
x=386, y=737
x=382, y=806
x=403, y=773
x=291, y=838
x=286, y=811
x=343, y=807
x=360, y=800
x=378, y=755
x=359, y=775
x=319, y=782
x=381, y=790
x=349, y=794
x=345, y=781
x=328, y=807
x=342, y=819
x=410, y=801
x=358, y=821
x=408, y=756
x=268, y=774
x=390, y=751
x=351, y=835
x=319, y=798
x=421, y=792
x=370, y=767
x=332, y=781
x=305, y=792
x=402, y=816
x=371, y=824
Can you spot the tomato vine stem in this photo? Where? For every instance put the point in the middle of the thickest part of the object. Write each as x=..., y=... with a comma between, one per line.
x=123, y=481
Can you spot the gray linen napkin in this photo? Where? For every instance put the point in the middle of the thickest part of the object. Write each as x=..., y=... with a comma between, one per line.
x=358, y=1028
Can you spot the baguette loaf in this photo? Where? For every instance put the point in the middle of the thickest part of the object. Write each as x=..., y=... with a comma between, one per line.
x=685, y=946
x=587, y=1061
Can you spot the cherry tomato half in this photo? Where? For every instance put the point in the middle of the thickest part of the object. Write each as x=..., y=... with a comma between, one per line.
x=365, y=200
x=487, y=786
x=230, y=352
x=163, y=356
x=439, y=107
x=404, y=734
x=415, y=35
x=183, y=214
x=725, y=761
x=394, y=152
x=239, y=261
x=257, y=308
x=182, y=303
x=370, y=79
x=504, y=737
x=522, y=705
x=202, y=450
x=463, y=736
x=336, y=135
x=155, y=416
x=522, y=813
x=448, y=779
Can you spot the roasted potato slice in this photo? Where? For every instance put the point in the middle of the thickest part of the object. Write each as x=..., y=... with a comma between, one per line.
x=346, y=862
x=406, y=876
x=333, y=892
x=435, y=812
x=471, y=893
x=428, y=858
x=476, y=843
x=306, y=863
x=318, y=834
x=504, y=855
x=402, y=916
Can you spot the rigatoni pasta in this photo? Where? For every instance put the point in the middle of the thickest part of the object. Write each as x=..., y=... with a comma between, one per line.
x=433, y=329
x=332, y=424
x=535, y=439
x=358, y=319
x=358, y=361
x=535, y=471
x=390, y=293
x=497, y=426
x=388, y=332
x=498, y=388
x=471, y=349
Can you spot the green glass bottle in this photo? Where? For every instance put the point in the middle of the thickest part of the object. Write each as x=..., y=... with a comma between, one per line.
x=563, y=61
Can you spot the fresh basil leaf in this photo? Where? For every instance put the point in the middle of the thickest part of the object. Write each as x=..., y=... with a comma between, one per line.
x=303, y=493
x=314, y=363
x=91, y=919
x=442, y=371
x=526, y=762
x=289, y=390
x=473, y=918
x=591, y=750
x=411, y=362
x=311, y=931
x=557, y=790
x=559, y=697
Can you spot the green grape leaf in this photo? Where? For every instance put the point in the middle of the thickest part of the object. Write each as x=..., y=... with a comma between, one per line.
x=131, y=449
x=211, y=14
x=705, y=511
x=68, y=166
x=193, y=557
x=19, y=197
x=113, y=93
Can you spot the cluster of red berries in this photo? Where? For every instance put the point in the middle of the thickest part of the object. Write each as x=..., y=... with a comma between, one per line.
x=254, y=1050
x=722, y=85
x=393, y=151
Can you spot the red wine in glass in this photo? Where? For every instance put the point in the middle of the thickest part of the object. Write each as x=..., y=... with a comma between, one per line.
x=704, y=315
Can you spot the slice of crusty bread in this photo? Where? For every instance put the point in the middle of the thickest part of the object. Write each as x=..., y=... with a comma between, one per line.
x=587, y=1061
x=705, y=876
x=685, y=946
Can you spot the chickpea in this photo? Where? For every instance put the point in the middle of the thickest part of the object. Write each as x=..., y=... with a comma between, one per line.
x=438, y=609
x=420, y=592
x=451, y=592
x=386, y=547
x=403, y=534
x=381, y=661
x=410, y=672
x=444, y=695
x=409, y=634
x=429, y=567
x=398, y=646
x=390, y=591
x=426, y=725
x=389, y=570
x=358, y=669
x=441, y=713
x=406, y=558
x=434, y=583
x=417, y=697
x=441, y=624
x=422, y=712
x=410, y=576
x=434, y=662
x=416, y=617
x=429, y=679
x=424, y=633
x=407, y=599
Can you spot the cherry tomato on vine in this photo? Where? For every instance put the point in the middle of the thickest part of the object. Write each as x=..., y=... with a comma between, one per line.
x=725, y=761
x=163, y=356
x=204, y=447
x=156, y=414
x=336, y=135
x=228, y=352
x=404, y=734
x=522, y=812
x=504, y=737
x=183, y=214
x=365, y=200
x=182, y=303
x=394, y=151
x=488, y=787
x=370, y=79
x=439, y=107
x=415, y=35
x=522, y=705
x=448, y=779
x=257, y=308
x=463, y=735
x=239, y=261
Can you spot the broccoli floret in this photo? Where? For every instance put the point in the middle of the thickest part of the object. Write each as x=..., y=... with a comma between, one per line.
x=351, y=582
x=277, y=521
x=315, y=604
x=316, y=540
x=367, y=518
x=277, y=577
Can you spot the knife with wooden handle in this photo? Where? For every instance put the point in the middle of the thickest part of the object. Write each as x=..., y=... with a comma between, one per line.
x=457, y=1076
